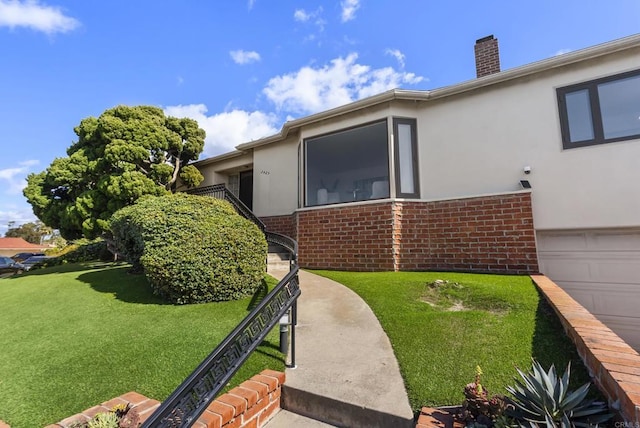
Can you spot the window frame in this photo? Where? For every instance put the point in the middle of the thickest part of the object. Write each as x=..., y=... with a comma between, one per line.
x=412, y=122
x=596, y=114
x=305, y=159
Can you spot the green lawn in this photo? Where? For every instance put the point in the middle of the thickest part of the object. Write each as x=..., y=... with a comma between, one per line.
x=503, y=324
x=74, y=336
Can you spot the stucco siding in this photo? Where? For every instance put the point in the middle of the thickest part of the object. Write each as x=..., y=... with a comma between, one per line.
x=217, y=172
x=479, y=142
x=275, y=178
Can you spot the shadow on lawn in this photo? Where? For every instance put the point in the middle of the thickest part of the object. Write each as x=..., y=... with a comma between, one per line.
x=551, y=345
x=130, y=288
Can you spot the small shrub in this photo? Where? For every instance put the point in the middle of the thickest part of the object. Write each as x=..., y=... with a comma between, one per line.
x=120, y=416
x=478, y=408
x=543, y=398
x=192, y=248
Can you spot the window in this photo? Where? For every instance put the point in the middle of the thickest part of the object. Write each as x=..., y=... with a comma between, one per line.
x=346, y=166
x=600, y=111
x=406, y=158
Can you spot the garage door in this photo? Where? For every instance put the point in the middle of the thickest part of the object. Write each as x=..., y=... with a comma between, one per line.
x=601, y=270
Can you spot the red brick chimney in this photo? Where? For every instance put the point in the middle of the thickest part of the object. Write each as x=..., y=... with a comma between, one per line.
x=487, y=56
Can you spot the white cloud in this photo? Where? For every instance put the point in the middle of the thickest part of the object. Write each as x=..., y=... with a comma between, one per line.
x=562, y=51
x=397, y=55
x=310, y=90
x=15, y=178
x=302, y=15
x=228, y=129
x=244, y=57
x=250, y=4
x=20, y=215
x=39, y=17
x=349, y=8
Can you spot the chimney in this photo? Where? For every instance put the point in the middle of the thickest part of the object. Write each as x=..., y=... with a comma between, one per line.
x=487, y=56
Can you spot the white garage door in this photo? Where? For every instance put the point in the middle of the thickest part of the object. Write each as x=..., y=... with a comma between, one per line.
x=601, y=270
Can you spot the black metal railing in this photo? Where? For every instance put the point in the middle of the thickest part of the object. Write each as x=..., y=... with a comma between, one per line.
x=220, y=191
x=193, y=396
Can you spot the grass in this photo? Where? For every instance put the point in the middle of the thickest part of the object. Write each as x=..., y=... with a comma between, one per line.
x=74, y=336
x=440, y=334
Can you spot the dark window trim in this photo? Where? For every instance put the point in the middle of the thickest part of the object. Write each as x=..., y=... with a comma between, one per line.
x=596, y=115
x=414, y=156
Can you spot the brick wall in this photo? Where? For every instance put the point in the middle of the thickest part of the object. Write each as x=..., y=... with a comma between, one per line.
x=249, y=405
x=283, y=224
x=355, y=238
x=484, y=234
x=612, y=363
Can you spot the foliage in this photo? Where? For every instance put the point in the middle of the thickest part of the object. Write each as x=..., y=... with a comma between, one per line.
x=120, y=156
x=120, y=416
x=82, y=250
x=478, y=409
x=75, y=335
x=543, y=398
x=193, y=249
x=30, y=232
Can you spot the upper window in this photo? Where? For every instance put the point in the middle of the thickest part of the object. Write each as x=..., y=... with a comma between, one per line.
x=346, y=166
x=353, y=164
x=600, y=111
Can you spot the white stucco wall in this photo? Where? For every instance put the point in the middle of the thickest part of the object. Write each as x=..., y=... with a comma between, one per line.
x=217, y=172
x=480, y=142
x=275, y=178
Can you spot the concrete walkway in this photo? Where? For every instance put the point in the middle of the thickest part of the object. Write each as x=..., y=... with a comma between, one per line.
x=346, y=374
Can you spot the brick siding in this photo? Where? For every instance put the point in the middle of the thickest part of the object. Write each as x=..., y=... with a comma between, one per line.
x=484, y=234
x=353, y=238
x=283, y=224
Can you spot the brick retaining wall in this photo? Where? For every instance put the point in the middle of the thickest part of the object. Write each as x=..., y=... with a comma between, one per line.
x=250, y=405
x=612, y=363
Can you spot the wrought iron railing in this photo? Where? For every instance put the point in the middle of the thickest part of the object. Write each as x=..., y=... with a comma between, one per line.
x=193, y=396
x=220, y=191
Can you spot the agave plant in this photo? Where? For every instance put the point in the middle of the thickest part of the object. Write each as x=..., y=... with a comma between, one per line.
x=543, y=399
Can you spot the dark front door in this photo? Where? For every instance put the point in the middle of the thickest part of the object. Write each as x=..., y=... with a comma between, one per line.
x=246, y=188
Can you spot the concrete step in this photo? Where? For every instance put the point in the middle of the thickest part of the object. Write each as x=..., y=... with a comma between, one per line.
x=286, y=419
x=340, y=412
x=277, y=261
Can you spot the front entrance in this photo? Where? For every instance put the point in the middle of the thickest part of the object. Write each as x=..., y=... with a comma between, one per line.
x=245, y=192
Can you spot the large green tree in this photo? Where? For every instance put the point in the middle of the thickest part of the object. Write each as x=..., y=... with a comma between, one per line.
x=125, y=153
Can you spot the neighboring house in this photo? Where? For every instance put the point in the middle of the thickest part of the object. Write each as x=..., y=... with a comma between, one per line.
x=536, y=168
x=11, y=246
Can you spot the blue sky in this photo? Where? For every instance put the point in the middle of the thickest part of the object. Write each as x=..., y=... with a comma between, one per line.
x=242, y=68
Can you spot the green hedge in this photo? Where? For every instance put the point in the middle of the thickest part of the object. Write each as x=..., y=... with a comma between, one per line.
x=192, y=248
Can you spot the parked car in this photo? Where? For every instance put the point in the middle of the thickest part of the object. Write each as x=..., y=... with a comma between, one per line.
x=32, y=261
x=24, y=256
x=9, y=267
